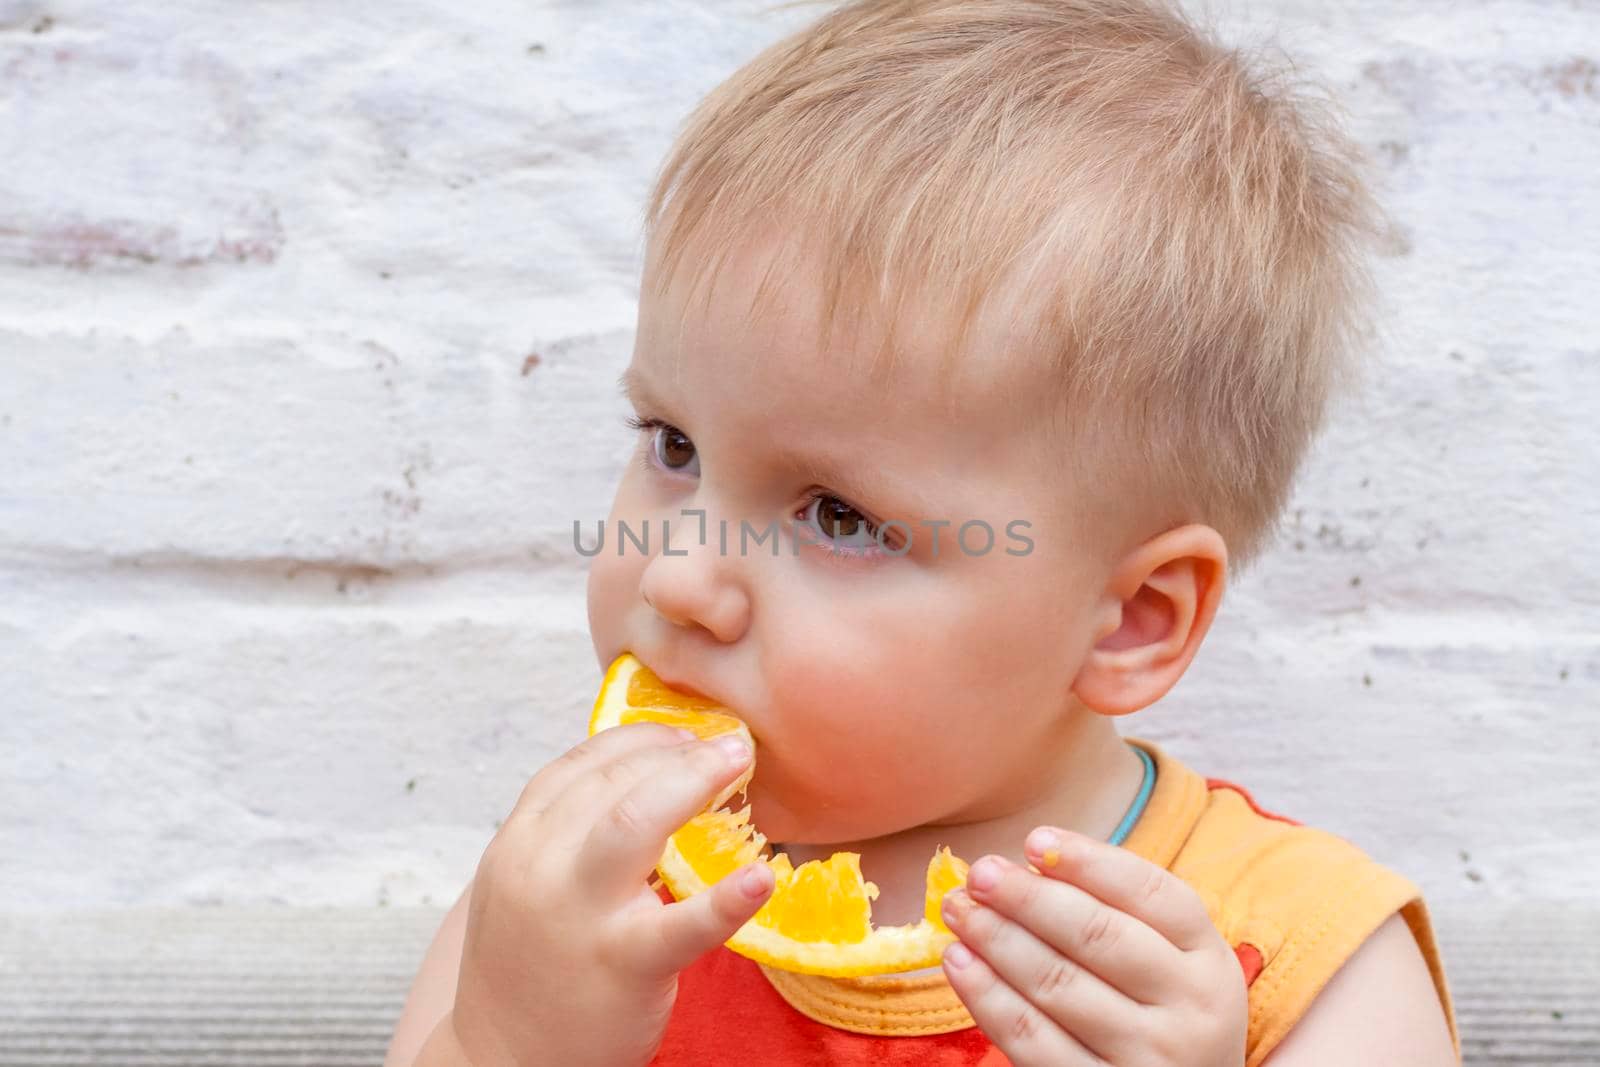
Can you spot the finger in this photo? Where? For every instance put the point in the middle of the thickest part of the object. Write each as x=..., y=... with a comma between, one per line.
x=567, y=819
x=1122, y=951
x=1126, y=881
x=1017, y=1028
x=1099, y=1017
x=669, y=787
x=552, y=780
x=681, y=932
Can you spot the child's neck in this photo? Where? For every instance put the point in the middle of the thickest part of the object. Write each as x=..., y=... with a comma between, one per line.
x=1095, y=782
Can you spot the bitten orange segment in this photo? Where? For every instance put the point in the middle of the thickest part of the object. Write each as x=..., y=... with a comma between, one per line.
x=716, y=843
x=825, y=901
x=819, y=917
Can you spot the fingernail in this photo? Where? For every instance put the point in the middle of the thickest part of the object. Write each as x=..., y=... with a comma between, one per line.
x=955, y=905
x=688, y=735
x=755, y=881
x=737, y=752
x=1044, y=843
x=958, y=955
x=985, y=874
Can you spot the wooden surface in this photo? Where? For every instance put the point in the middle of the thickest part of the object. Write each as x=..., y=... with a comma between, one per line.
x=269, y=987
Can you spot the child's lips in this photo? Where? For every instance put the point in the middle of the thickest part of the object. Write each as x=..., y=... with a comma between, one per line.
x=685, y=688
x=673, y=682
x=688, y=690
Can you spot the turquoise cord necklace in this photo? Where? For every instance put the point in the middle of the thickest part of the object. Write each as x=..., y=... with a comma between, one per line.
x=1137, y=808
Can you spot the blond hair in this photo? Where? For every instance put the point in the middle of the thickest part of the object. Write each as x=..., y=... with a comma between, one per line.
x=1187, y=232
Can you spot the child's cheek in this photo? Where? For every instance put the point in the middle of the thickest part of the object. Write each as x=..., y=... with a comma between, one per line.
x=611, y=590
x=828, y=706
x=856, y=749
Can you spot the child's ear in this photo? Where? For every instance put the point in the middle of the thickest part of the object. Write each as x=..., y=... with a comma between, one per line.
x=1155, y=611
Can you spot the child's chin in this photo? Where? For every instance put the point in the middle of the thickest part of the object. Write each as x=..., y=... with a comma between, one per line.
x=784, y=825
x=775, y=821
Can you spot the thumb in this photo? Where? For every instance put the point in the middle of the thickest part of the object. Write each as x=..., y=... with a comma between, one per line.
x=687, y=929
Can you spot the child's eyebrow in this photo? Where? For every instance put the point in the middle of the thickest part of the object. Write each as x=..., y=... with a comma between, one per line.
x=862, y=480
x=635, y=389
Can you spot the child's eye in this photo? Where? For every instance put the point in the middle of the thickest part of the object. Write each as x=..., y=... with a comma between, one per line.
x=845, y=529
x=669, y=446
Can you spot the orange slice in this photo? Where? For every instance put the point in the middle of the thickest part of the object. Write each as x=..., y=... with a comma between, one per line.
x=819, y=917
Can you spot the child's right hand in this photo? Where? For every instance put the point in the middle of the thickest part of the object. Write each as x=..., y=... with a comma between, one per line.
x=569, y=957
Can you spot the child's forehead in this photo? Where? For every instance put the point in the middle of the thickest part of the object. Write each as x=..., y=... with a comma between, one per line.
x=757, y=312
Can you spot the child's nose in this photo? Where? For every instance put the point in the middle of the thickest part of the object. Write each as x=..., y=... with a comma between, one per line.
x=695, y=590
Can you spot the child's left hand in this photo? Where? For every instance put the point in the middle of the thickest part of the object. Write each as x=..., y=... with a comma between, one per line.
x=1100, y=957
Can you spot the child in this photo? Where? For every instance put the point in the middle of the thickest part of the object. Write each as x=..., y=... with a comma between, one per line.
x=1058, y=270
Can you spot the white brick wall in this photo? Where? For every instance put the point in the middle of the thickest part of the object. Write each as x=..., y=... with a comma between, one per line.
x=310, y=316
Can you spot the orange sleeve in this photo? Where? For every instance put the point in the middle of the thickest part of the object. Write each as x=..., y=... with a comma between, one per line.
x=1295, y=903
x=1312, y=900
